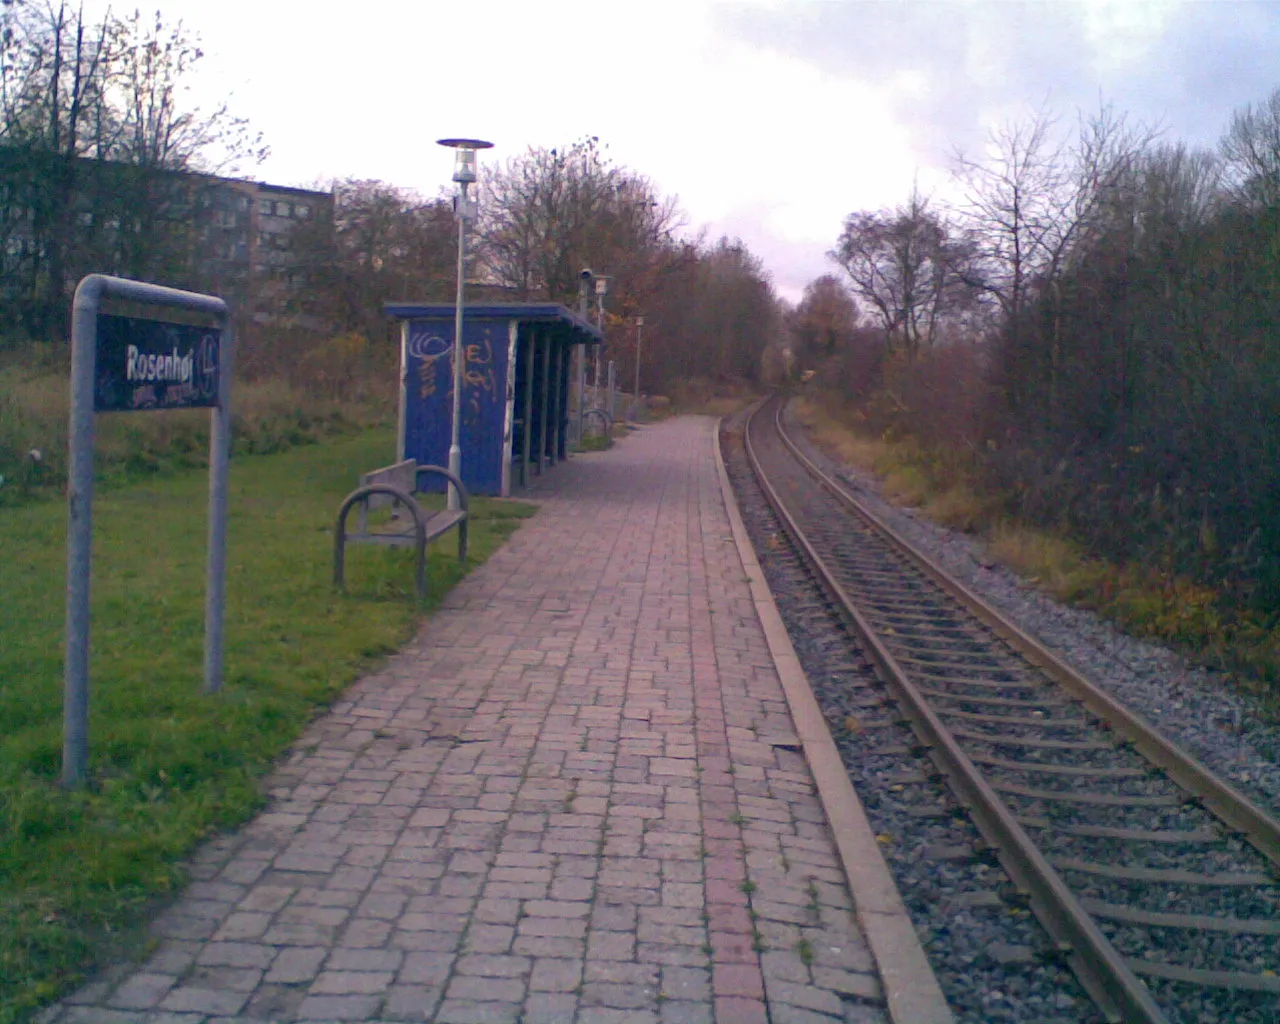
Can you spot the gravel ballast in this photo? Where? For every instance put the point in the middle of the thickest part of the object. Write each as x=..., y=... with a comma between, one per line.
x=1195, y=707
x=990, y=956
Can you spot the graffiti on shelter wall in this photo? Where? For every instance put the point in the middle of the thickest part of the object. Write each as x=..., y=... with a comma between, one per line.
x=428, y=378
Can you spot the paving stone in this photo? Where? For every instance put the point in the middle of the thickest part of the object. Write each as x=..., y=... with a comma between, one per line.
x=863, y=986
x=680, y=1012
x=611, y=945
x=343, y=983
x=737, y=980
x=142, y=991
x=272, y=1002
x=467, y=1011
x=201, y=1000
x=101, y=1015
x=541, y=945
x=809, y=997
x=613, y=917
x=297, y=964
x=365, y=960
x=549, y=1008
x=621, y=996
x=610, y=1015
x=426, y=968
x=491, y=938
x=742, y=1011
x=491, y=966
x=616, y=970
x=332, y=1008
x=410, y=1002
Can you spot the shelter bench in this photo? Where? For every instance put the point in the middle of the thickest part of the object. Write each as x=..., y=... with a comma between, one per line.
x=393, y=486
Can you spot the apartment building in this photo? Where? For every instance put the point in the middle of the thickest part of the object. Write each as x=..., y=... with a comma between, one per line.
x=249, y=238
x=233, y=237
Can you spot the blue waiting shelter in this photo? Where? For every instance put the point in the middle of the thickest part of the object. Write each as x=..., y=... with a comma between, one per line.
x=515, y=389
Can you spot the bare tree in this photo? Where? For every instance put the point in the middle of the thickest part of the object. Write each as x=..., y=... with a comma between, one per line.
x=908, y=267
x=90, y=118
x=1031, y=204
x=1018, y=199
x=550, y=212
x=384, y=244
x=824, y=321
x=151, y=61
x=1251, y=148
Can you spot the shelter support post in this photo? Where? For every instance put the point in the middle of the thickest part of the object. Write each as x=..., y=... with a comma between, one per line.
x=531, y=341
x=546, y=404
x=557, y=402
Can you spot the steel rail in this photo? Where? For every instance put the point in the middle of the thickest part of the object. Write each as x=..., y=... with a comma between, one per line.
x=1218, y=796
x=1119, y=993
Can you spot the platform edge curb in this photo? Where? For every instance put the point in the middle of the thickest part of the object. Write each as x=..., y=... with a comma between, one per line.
x=911, y=989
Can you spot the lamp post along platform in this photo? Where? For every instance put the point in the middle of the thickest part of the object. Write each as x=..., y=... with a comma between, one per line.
x=635, y=395
x=465, y=209
x=602, y=283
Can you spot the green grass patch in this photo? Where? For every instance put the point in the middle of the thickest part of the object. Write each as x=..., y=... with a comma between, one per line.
x=169, y=766
x=594, y=443
x=271, y=415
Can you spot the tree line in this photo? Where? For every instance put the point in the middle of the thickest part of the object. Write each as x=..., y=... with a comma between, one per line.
x=1108, y=302
x=709, y=307
x=103, y=167
x=94, y=140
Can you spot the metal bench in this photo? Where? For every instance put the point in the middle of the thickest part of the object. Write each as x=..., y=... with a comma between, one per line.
x=394, y=487
x=606, y=424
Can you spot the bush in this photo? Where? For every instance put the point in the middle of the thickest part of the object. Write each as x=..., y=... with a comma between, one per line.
x=270, y=414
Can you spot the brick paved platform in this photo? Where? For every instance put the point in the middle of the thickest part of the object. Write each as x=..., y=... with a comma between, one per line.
x=575, y=797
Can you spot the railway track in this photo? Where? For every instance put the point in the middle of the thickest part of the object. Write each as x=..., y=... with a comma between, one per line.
x=1155, y=881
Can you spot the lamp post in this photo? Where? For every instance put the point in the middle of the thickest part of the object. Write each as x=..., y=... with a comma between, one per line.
x=602, y=289
x=464, y=173
x=585, y=277
x=635, y=395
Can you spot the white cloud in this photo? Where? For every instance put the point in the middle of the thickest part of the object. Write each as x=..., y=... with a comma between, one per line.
x=769, y=120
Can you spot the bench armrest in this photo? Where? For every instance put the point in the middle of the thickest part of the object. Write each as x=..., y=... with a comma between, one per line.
x=464, y=499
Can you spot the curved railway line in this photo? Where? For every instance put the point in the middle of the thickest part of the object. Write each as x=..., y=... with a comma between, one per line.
x=1152, y=877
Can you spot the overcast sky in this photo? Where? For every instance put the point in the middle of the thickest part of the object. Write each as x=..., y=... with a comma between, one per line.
x=769, y=120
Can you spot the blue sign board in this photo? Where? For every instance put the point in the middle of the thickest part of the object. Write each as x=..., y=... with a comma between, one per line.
x=149, y=364
x=486, y=390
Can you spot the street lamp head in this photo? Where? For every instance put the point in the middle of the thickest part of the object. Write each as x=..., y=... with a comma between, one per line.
x=464, y=168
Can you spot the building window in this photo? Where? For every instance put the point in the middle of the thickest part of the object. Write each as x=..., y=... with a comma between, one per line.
x=282, y=209
x=264, y=207
x=304, y=211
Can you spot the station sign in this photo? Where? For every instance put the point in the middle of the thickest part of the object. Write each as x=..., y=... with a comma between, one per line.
x=126, y=364
x=150, y=364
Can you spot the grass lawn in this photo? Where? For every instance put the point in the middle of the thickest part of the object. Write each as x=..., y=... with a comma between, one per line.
x=77, y=870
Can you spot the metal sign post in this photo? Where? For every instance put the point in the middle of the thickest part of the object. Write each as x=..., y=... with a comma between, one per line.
x=124, y=363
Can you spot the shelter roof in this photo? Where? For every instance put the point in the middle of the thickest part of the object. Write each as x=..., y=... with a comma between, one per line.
x=527, y=312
